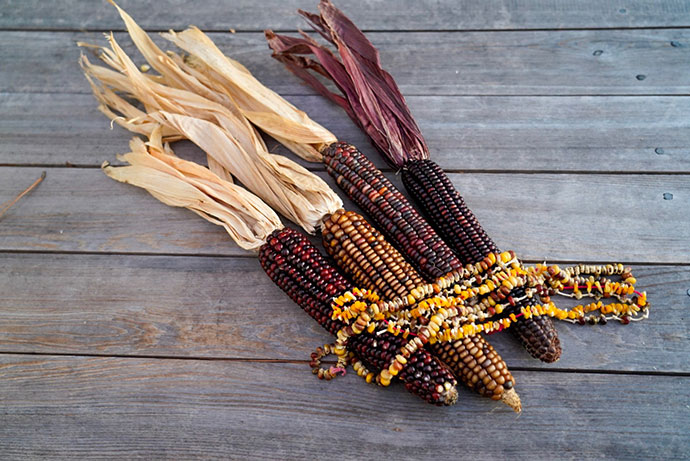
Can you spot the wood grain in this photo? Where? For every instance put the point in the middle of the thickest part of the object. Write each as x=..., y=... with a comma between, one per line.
x=556, y=217
x=522, y=133
x=367, y=14
x=592, y=62
x=104, y=408
x=228, y=308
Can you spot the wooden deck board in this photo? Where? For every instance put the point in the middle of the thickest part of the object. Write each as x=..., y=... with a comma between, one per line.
x=423, y=63
x=367, y=14
x=601, y=217
x=632, y=134
x=228, y=308
x=132, y=330
x=115, y=407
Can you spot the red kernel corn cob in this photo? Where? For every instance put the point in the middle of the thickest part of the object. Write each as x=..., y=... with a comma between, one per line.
x=300, y=270
x=429, y=185
x=373, y=263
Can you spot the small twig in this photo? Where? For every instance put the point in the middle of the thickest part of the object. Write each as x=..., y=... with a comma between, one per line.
x=18, y=197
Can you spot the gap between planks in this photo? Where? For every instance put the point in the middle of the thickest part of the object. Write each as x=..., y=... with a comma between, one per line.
x=319, y=168
x=366, y=31
x=306, y=362
x=249, y=255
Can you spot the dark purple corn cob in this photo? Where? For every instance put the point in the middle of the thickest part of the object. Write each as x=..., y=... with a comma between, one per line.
x=299, y=269
x=431, y=188
x=537, y=334
x=392, y=213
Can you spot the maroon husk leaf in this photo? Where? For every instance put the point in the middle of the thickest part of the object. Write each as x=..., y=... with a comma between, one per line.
x=371, y=97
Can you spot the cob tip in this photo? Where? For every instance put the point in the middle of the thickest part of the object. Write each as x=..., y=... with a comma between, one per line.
x=450, y=397
x=512, y=399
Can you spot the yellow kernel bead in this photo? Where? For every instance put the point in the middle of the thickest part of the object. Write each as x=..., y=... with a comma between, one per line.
x=385, y=378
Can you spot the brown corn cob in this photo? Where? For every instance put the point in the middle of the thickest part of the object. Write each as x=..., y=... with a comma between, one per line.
x=431, y=188
x=374, y=264
x=299, y=269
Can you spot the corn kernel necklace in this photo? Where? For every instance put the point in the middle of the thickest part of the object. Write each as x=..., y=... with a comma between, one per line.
x=446, y=317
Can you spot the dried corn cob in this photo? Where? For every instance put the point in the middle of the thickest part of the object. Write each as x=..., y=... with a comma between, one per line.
x=396, y=135
x=363, y=252
x=445, y=208
x=298, y=268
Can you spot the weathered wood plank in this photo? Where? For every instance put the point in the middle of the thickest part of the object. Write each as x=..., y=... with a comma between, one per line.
x=228, y=308
x=507, y=63
x=367, y=14
x=637, y=218
x=68, y=407
x=467, y=133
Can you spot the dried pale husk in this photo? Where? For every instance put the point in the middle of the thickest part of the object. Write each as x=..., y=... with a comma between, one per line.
x=181, y=183
x=262, y=106
x=189, y=105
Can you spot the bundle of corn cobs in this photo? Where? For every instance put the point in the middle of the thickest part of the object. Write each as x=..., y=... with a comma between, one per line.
x=414, y=296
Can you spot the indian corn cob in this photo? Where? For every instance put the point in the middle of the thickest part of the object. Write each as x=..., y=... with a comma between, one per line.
x=371, y=92
x=375, y=264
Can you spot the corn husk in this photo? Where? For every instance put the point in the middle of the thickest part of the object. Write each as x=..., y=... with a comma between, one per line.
x=181, y=183
x=189, y=105
x=368, y=93
x=262, y=106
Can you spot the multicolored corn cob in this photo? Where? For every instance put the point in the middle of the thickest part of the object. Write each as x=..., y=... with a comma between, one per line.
x=431, y=188
x=299, y=269
x=373, y=263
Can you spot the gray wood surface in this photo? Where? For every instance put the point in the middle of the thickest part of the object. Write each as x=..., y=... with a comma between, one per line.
x=633, y=134
x=197, y=307
x=367, y=14
x=505, y=63
x=600, y=217
x=129, y=329
x=115, y=407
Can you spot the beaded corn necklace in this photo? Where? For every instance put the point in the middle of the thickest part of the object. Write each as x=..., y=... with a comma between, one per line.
x=464, y=302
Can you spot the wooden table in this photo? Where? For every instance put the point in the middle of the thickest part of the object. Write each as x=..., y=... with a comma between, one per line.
x=130, y=329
